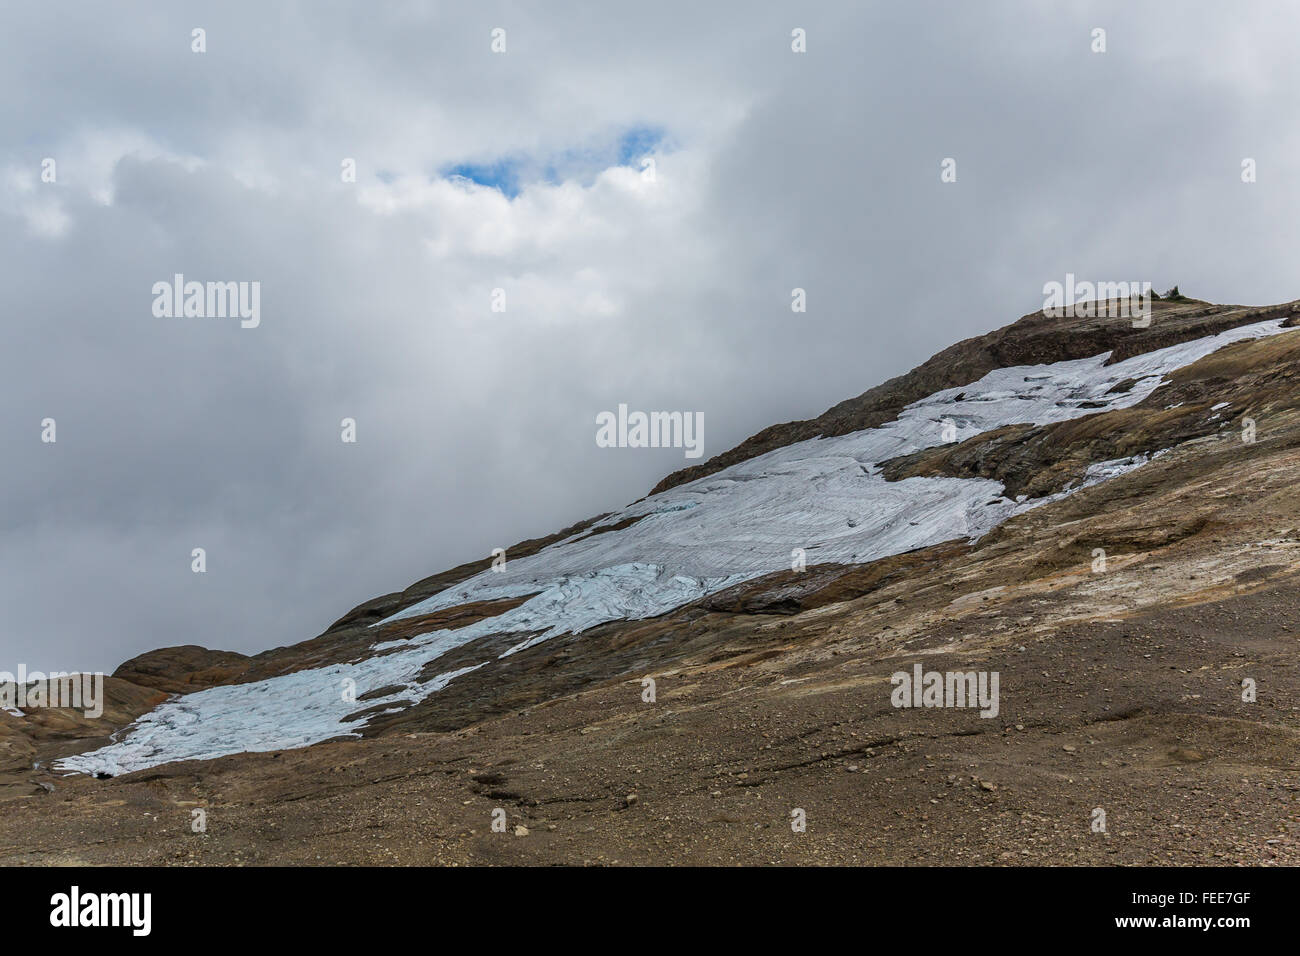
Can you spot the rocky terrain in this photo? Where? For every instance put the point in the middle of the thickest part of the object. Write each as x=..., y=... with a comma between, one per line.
x=1124, y=619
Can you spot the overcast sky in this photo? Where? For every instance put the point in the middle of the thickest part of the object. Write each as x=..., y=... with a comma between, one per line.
x=523, y=171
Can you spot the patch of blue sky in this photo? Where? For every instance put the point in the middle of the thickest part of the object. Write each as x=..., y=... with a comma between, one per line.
x=510, y=174
x=637, y=143
x=502, y=174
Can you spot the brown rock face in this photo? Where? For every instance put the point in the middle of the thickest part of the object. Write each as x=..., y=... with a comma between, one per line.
x=180, y=670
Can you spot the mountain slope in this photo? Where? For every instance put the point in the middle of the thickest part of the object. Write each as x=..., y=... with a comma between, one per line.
x=1120, y=687
x=826, y=499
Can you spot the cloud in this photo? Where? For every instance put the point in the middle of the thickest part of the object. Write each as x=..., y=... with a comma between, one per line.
x=773, y=170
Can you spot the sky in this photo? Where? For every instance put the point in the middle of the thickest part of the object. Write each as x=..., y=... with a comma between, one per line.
x=644, y=183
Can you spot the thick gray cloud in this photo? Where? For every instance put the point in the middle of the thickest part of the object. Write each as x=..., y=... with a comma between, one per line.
x=476, y=429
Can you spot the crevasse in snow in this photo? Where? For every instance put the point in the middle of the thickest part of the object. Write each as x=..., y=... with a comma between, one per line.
x=824, y=495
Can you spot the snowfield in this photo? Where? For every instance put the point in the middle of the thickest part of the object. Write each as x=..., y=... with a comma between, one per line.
x=824, y=495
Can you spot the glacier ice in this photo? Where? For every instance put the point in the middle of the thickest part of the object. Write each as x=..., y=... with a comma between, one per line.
x=825, y=495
